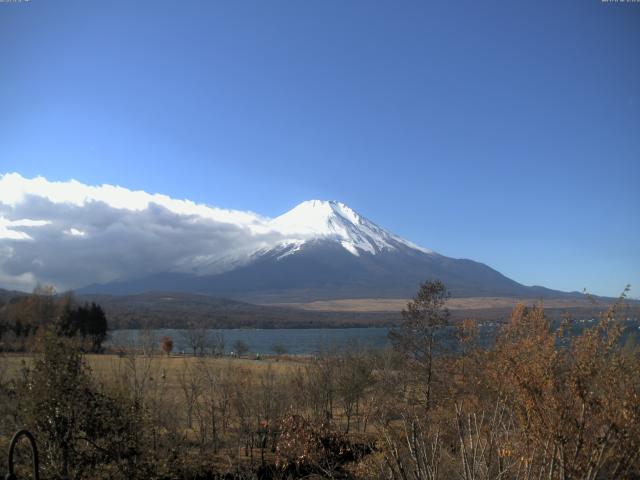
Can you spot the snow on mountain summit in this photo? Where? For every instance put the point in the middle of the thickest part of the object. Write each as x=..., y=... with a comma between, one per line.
x=316, y=219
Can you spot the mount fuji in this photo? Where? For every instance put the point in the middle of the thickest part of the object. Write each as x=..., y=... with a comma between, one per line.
x=322, y=250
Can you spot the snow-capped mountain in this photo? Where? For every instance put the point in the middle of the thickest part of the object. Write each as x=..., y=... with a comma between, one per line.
x=326, y=250
x=316, y=219
x=116, y=240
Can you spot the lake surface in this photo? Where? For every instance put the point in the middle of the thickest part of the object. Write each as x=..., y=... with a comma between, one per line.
x=297, y=341
x=311, y=341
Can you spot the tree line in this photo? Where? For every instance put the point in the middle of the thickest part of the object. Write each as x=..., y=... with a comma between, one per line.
x=24, y=318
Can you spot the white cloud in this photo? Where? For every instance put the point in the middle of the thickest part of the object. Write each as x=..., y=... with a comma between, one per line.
x=70, y=235
x=75, y=232
x=10, y=229
x=14, y=188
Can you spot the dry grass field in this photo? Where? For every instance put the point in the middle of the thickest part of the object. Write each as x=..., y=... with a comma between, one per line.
x=180, y=391
x=168, y=368
x=397, y=304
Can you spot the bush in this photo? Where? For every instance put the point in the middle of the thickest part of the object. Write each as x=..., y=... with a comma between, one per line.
x=77, y=426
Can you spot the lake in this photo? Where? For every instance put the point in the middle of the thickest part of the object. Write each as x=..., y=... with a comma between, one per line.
x=297, y=341
x=313, y=340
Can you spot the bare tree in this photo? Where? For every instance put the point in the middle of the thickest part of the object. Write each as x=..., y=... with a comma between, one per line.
x=190, y=387
x=216, y=343
x=411, y=452
x=240, y=347
x=279, y=349
x=197, y=339
x=147, y=341
x=321, y=387
x=353, y=377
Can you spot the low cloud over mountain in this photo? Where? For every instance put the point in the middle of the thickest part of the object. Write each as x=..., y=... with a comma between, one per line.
x=70, y=234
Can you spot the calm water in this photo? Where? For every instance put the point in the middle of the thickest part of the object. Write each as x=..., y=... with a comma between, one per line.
x=313, y=340
x=297, y=341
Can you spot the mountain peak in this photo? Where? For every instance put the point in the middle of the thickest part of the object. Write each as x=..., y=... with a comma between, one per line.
x=316, y=214
x=330, y=219
x=326, y=206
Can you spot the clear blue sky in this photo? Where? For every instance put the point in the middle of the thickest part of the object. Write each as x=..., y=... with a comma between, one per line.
x=503, y=131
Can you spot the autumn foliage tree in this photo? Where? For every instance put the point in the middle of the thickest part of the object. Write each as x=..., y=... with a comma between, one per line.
x=576, y=399
x=545, y=400
x=166, y=345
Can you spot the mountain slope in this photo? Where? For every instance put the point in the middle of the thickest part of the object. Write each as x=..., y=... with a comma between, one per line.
x=325, y=250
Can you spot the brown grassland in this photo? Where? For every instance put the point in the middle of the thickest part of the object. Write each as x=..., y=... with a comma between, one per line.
x=397, y=304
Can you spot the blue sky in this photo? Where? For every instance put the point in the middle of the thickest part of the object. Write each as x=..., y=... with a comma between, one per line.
x=506, y=132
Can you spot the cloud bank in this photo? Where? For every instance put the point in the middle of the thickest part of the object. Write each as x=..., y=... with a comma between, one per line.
x=69, y=234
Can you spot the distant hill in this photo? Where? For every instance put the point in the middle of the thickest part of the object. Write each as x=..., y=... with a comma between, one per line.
x=6, y=295
x=185, y=310
x=181, y=310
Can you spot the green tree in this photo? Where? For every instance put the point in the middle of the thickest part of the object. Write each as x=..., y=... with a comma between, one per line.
x=415, y=337
x=86, y=321
x=96, y=329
